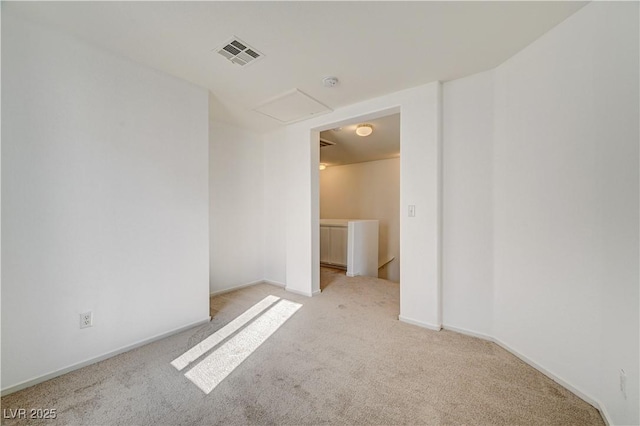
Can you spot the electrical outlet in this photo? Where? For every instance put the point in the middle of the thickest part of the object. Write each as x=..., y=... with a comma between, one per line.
x=623, y=383
x=86, y=320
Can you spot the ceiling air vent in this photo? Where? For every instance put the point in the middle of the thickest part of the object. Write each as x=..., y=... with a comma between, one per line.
x=324, y=142
x=239, y=52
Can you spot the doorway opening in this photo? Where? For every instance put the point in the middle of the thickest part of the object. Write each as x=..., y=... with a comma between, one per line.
x=359, y=199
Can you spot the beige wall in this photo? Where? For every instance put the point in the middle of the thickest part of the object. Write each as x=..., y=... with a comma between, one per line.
x=367, y=191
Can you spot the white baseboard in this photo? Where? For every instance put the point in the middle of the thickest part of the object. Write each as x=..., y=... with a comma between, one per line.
x=276, y=283
x=604, y=414
x=422, y=324
x=576, y=391
x=468, y=332
x=301, y=293
x=236, y=287
x=70, y=368
x=582, y=395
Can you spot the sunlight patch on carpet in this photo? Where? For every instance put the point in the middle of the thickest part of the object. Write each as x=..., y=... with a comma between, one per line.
x=209, y=372
x=210, y=342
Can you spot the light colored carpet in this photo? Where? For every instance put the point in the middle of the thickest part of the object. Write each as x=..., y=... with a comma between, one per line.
x=342, y=358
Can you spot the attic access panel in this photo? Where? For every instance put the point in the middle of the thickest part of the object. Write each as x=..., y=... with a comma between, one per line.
x=292, y=106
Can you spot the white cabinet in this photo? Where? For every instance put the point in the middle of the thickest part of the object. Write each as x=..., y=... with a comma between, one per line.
x=350, y=244
x=333, y=245
x=325, y=242
x=338, y=246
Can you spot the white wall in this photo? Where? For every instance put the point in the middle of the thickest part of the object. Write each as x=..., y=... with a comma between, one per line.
x=275, y=211
x=104, y=202
x=288, y=257
x=566, y=203
x=420, y=186
x=368, y=190
x=468, y=203
x=236, y=207
x=104, y=186
x=563, y=137
x=618, y=192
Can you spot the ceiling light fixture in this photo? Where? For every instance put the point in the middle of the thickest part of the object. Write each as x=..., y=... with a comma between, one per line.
x=323, y=166
x=364, y=129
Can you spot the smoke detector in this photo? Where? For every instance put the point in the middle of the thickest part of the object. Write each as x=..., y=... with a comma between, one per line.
x=239, y=52
x=330, y=81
